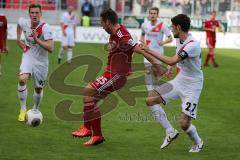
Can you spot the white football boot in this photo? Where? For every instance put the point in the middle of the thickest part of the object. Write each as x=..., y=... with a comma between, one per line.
x=169, y=138
x=196, y=147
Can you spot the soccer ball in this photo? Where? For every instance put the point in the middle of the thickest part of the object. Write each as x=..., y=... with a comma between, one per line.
x=33, y=117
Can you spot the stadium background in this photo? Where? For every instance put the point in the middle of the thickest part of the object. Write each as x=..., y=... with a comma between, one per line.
x=131, y=131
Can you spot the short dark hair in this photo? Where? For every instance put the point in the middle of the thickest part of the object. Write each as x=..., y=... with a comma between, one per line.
x=155, y=9
x=182, y=20
x=34, y=5
x=110, y=15
x=215, y=12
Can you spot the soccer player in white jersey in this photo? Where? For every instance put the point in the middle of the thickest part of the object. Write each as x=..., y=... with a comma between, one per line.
x=68, y=26
x=187, y=85
x=153, y=31
x=38, y=42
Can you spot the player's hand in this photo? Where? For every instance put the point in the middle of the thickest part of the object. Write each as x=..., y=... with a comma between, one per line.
x=6, y=50
x=35, y=35
x=143, y=46
x=21, y=44
x=161, y=43
x=64, y=33
x=168, y=72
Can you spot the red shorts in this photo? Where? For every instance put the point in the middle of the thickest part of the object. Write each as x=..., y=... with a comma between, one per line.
x=211, y=42
x=108, y=83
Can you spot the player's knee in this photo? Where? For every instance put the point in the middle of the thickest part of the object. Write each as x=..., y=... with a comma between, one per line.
x=22, y=80
x=184, y=123
x=150, y=101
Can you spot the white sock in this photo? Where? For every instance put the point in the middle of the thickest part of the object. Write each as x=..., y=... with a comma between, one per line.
x=69, y=54
x=60, y=53
x=37, y=99
x=192, y=133
x=161, y=117
x=22, y=95
x=149, y=81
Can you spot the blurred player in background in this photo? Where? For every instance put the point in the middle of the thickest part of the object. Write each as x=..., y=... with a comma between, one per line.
x=38, y=42
x=3, y=38
x=121, y=47
x=211, y=26
x=68, y=26
x=187, y=85
x=153, y=31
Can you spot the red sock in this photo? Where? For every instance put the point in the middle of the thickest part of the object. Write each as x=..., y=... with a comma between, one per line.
x=207, y=58
x=96, y=122
x=88, y=107
x=213, y=59
x=92, y=118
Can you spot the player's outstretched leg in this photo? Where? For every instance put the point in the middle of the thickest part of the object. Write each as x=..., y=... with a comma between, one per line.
x=22, y=95
x=191, y=131
x=153, y=102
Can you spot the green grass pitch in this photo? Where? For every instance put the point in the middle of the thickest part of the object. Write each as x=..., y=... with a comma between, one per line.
x=130, y=132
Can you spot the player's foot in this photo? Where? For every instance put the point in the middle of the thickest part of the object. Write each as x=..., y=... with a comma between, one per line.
x=69, y=61
x=59, y=61
x=94, y=140
x=21, y=116
x=196, y=147
x=169, y=138
x=82, y=132
x=206, y=65
x=216, y=65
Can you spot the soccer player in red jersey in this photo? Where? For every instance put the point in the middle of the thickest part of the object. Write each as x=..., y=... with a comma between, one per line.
x=210, y=27
x=121, y=47
x=3, y=38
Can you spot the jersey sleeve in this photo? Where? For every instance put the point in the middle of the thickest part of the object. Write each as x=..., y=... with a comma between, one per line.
x=5, y=23
x=191, y=50
x=47, y=33
x=62, y=18
x=127, y=43
x=166, y=30
x=21, y=22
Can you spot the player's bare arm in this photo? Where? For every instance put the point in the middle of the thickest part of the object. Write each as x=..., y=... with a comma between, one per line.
x=169, y=39
x=63, y=30
x=20, y=43
x=167, y=60
x=48, y=44
x=221, y=28
x=142, y=38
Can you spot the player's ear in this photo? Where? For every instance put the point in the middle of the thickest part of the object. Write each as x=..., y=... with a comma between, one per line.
x=179, y=27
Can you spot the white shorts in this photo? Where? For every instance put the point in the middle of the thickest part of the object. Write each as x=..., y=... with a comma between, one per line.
x=159, y=51
x=189, y=94
x=37, y=72
x=68, y=40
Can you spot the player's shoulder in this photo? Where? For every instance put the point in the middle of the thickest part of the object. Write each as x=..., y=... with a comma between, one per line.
x=64, y=14
x=122, y=32
x=145, y=23
x=193, y=41
x=24, y=21
x=46, y=26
